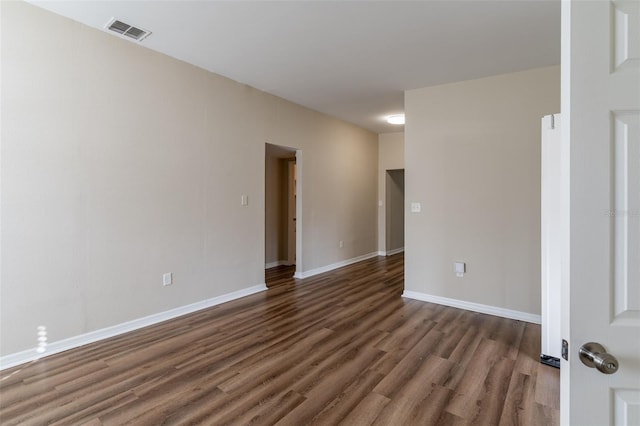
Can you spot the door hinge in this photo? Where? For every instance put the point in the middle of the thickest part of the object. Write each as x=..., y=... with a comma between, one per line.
x=565, y=350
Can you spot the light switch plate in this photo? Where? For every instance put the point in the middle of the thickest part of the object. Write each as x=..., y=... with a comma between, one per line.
x=167, y=279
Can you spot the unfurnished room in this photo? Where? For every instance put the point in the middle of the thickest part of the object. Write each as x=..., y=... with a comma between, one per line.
x=320, y=212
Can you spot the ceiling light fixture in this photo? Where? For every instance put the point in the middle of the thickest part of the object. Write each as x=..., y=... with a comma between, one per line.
x=396, y=119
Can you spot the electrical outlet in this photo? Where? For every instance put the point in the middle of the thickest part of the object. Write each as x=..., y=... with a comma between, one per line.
x=167, y=279
x=341, y=244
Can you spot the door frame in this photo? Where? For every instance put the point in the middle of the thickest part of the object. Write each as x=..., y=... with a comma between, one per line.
x=299, y=218
x=291, y=211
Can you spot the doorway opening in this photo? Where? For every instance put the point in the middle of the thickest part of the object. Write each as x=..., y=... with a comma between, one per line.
x=394, y=212
x=282, y=204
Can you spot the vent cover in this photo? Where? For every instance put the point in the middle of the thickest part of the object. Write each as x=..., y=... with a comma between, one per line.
x=127, y=30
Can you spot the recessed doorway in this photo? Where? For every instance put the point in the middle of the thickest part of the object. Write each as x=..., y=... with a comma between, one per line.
x=281, y=212
x=394, y=213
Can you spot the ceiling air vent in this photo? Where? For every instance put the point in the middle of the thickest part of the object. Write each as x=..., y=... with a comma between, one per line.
x=127, y=30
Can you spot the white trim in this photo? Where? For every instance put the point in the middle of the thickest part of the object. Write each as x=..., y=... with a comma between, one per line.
x=382, y=253
x=299, y=218
x=18, y=358
x=312, y=272
x=475, y=307
x=275, y=264
x=395, y=251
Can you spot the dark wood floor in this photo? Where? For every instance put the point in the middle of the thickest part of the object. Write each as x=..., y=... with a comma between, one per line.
x=339, y=348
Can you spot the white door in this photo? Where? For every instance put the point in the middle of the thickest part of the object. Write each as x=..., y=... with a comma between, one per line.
x=601, y=125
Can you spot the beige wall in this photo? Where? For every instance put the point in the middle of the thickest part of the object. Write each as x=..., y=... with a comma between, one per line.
x=120, y=164
x=473, y=161
x=390, y=157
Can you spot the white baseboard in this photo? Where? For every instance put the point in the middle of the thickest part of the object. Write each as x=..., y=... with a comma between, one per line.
x=316, y=271
x=475, y=307
x=275, y=264
x=18, y=358
x=395, y=251
x=391, y=252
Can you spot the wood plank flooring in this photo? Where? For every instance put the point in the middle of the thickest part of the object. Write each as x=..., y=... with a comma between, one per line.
x=339, y=348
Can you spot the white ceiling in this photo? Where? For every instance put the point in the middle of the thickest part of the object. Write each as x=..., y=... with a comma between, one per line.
x=348, y=59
